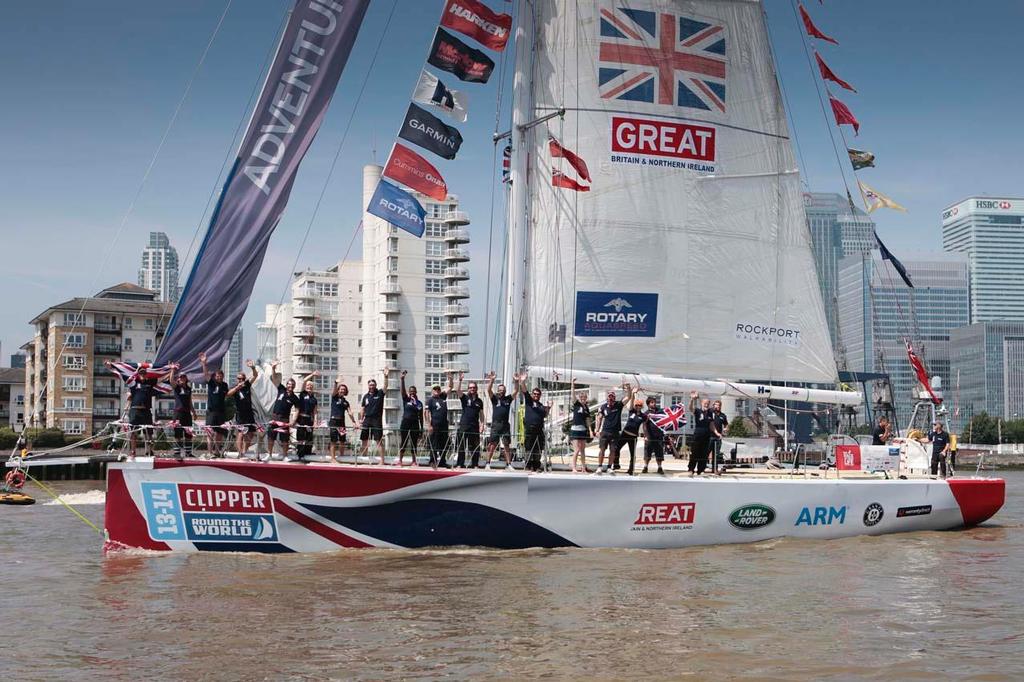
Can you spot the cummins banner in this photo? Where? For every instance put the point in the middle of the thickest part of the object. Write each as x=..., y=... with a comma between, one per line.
x=428, y=131
x=302, y=79
x=450, y=54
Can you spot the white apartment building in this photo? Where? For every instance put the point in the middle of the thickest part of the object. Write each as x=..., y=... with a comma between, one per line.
x=415, y=293
x=233, y=362
x=159, y=271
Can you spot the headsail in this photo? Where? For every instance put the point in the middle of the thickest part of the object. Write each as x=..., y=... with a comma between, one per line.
x=690, y=256
x=299, y=86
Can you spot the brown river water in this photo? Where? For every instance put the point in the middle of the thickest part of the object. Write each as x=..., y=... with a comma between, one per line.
x=912, y=606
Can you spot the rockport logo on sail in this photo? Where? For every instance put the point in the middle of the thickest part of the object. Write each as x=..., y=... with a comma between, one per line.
x=616, y=313
x=767, y=333
x=671, y=144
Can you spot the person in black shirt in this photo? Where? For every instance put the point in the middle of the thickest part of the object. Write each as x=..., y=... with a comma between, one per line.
x=306, y=420
x=245, y=415
x=216, y=394
x=719, y=422
x=630, y=432
x=437, y=424
x=371, y=416
x=580, y=433
x=184, y=414
x=281, y=419
x=654, y=436
x=139, y=405
x=339, y=408
x=411, y=427
x=701, y=434
x=534, y=416
x=881, y=433
x=471, y=424
x=609, y=423
x=501, y=425
x=940, y=448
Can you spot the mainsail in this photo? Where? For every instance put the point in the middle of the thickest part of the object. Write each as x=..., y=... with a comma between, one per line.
x=690, y=256
x=302, y=78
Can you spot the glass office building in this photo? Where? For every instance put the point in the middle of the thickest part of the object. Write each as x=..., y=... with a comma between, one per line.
x=987, y=359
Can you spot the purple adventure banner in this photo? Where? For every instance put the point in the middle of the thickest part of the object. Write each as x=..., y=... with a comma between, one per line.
x=302, y=79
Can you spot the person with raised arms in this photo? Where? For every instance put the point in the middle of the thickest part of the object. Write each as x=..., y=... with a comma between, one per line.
x=701, y=439
x=216, y=394
x=536, y=413
x=184, y=415
x=281, y=417
x=437, y=424
x=245, y=415
x=411, y=427
x=371, y=416
x=501, y=425
x=471, y=424
x=581, y=432
x=609, y=423
x=306, y=419
x=654, y=436
x=339, y=408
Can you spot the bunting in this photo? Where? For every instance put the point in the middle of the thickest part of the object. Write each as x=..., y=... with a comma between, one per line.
x=830, y=75
x=861, y=159
x=560, y=179
x=412, y=170
x=811, y=29
x=873, y=199
x=843, y=115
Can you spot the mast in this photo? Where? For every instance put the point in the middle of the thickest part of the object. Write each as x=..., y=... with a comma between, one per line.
x=522, y=108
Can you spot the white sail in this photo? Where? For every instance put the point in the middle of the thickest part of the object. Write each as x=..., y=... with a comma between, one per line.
x=690, y=254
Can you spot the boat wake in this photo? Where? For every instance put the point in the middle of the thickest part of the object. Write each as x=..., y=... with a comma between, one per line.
x=90, y=497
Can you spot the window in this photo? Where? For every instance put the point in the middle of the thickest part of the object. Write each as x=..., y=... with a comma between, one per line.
x=434, y=305
x=127, y=343
x=74, y=340
x=326, y=326
x=74, y=362
x=434, y=249
x=328, y=363
x=434, y=342
x=148, y=344
x=436, y=379
x=393, y=245
x=435, y=323
x=435, y=285
x=435, y=267
x=20, y=400
x=73, y=427
x=392, y=264
x=327, y=289
x=74, y=404
x=128, y=323
x=434, y=361
x=148, y=323
x=327, y=345
x=75, y=384
x=435, y=229
x=74, y=320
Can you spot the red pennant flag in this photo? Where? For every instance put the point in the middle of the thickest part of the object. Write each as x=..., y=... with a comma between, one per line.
x=478, y=21
x=559, y=179
x=843, y=115
x=828, y=75
x=558, y=151
x=812, y=30
x=921, y=373
x=412, y=170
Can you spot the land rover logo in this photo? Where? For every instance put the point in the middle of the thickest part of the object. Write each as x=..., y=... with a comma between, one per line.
x=752, y=516
x=873, y=514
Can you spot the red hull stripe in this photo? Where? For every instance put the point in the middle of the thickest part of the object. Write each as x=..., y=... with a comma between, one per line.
x=979, y=499
x=122, y=519
x=315, y=526
x=325, y=481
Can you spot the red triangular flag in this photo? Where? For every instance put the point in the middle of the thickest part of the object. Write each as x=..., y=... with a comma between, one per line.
x=559, y=179
x=812, y=30
x=843, y=115
x=557, y=150
x=921, y=373
x=827, y=74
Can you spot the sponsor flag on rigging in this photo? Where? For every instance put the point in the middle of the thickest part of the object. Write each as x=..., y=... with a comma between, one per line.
x=300, y=83
x=478, y=21
x=506, y=163
x=830, y=75
x=898, y=266
x=843, y=115
x=432, y=92
x=412, y=170
x=874, y=199
x=558, y=151
x=921, y=373
x=811, y=29
x=398, y=207
x=428, y=131
x=861, y=159
x=450, y=54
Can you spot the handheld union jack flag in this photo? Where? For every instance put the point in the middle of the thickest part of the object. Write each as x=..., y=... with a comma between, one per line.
x=662, y=58
x=673, y=419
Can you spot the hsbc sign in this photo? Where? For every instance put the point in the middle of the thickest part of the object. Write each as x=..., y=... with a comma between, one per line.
x=989, y=204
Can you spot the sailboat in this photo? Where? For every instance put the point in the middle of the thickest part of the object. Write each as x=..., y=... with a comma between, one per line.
x=685, y=266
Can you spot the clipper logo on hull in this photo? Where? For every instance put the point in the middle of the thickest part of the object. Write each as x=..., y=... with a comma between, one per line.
x=200, y=512
x=666, y=516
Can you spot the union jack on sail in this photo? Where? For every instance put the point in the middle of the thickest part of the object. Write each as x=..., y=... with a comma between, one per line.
x=662, y=58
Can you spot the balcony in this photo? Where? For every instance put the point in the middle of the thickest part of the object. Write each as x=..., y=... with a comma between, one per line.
x=456, y=219
x=109, y=391
x=456, y=272
x=303, y=367
x=303, y=330
x=454, y=292
x=305, y=311
x=457, y=236
x=390, y=288
x=107, y=349
x=101, y=369
x=390, y=327
x=456, y=255
x=388, y=345
x=457, y=348
x=106, y=412
x=456, y=329
x=389, y=307
x=303, y=349
x=456, y=310
x=107, y=328
x=457, y=366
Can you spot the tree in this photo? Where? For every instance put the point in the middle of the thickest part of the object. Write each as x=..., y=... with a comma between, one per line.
x=738, y=428
x=981, y=429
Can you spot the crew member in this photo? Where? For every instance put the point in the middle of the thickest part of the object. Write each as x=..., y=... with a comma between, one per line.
x=533, y=422
x=940, y=448
x=371, y=417
x=719, y=423
x=437, y=424
x=882, y=433
x=609, y=423
x=580, y=433
x=701, y=434
x=630, y=432
x=501, y=426
x=339, y=408
x=216, y=393
x=654, y=436
x=306, y=419
x=245, y=415
x=184, y=414
x=411, y=427
x=281, y=419
x=139, y=404
x=471, y=424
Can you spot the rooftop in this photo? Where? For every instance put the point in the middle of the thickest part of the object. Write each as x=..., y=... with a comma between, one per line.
x=12, y=375
x=124, y=298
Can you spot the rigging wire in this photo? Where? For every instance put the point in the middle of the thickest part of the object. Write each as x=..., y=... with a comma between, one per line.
x=785, y=97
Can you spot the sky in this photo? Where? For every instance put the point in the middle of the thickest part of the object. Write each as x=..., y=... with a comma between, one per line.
x=90, y=87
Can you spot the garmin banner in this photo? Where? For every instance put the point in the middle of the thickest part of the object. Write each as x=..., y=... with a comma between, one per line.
x=398, y=207
x=299, y=86
x=428, y=131
x=616, y=313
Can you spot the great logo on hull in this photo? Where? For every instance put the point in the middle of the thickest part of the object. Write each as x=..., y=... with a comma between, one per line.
x=665, y=516
x=821, y=516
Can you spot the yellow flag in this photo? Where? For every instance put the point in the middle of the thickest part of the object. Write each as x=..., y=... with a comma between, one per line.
x=874, y=199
